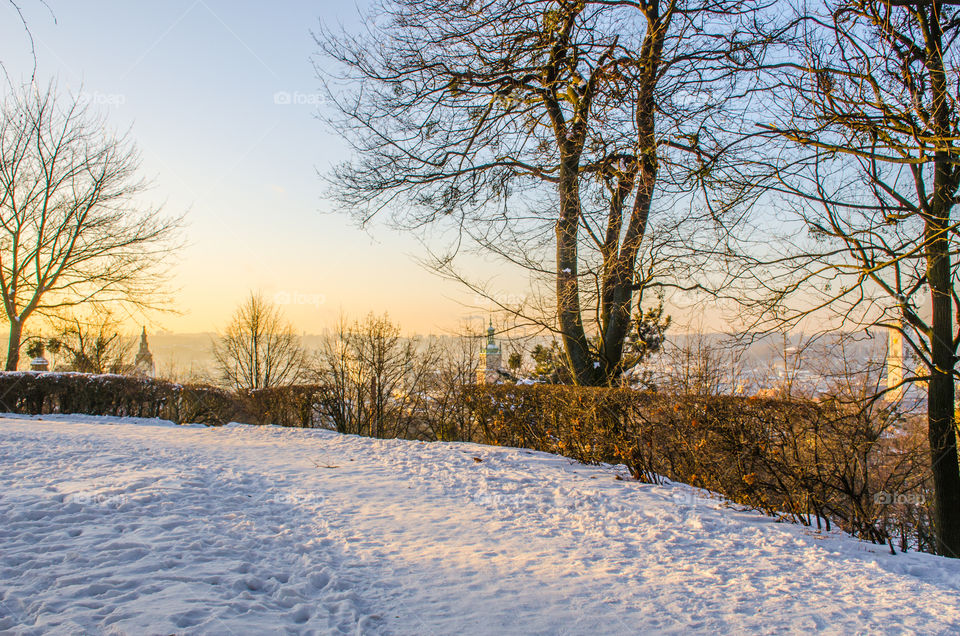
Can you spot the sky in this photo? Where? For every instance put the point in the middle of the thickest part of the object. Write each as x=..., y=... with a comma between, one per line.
x=221, y=98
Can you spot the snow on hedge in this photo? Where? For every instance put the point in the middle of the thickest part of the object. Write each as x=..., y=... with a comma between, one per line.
x=137, y=527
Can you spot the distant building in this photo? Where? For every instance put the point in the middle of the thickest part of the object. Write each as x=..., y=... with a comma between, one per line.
x=895, y=365
x=490, y=359
x=903, y=363
x=40, y=363
x=143, y=363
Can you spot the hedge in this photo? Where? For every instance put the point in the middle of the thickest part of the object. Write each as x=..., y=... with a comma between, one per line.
x=39, y=393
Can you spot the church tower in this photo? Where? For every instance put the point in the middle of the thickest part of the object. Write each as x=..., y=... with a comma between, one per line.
x=488, y=372
x=143, y=363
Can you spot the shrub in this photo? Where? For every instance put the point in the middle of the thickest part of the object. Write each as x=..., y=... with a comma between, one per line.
x=39, y=393
x=298, y=405
x=811, y=461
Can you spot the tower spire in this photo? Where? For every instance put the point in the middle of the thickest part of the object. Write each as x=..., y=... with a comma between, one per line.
x=488, y=373
x=143, y=363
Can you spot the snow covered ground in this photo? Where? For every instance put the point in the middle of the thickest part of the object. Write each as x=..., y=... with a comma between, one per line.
x=112, y=526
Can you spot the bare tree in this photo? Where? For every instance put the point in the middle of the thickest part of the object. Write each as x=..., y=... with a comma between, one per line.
x=259, y=349
x=872, y=123
x=448, y=415
x=17, y=9
x=700, y=363
x=376, y=381
x=549, y=132
x=91, y=344
x=793, y=361
x=71, y=230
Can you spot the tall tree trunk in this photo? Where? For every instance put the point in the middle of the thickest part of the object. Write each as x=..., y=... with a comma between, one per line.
x=568, y=289
x=13, y=345
x=621, y=280
x=619, y=288
x=616, y=323
x=941, y=409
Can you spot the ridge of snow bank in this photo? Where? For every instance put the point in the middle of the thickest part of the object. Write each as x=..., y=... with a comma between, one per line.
x=97, y=419
x=137, y=528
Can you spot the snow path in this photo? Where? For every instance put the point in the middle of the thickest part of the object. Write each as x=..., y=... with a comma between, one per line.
x=146, y=528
